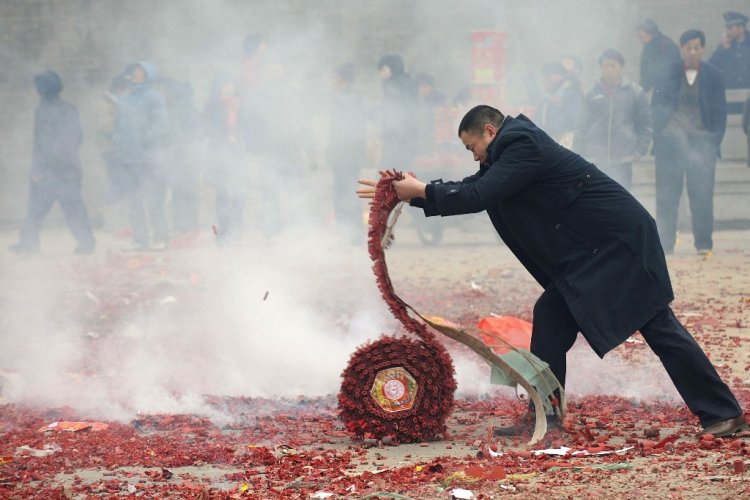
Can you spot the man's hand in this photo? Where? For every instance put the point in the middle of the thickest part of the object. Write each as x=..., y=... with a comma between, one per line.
x=406, y=189
x=409, y=188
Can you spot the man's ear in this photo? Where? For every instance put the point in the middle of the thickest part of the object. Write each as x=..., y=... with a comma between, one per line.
x=490, y=129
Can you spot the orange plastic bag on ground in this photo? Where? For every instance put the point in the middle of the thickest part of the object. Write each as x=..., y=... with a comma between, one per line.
x=515, y=331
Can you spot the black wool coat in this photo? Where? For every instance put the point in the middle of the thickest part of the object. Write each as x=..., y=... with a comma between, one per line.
x=570, y=225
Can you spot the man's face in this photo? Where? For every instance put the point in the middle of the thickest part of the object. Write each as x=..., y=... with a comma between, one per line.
x=477, y=143
x=611, y=71
x=139, y=76
x=735, y=32
x=385, y=73
x=692, y=52
x=644, y=37
x=424, y=90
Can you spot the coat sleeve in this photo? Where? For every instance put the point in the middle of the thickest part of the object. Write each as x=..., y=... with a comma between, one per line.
x=518, y=166
x=719, y=57
x=719, y=109
x=642, y=122
x=428, y=204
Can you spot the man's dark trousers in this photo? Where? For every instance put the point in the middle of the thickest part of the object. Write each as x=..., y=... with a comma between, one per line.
x=707, y=396
x=695, y=159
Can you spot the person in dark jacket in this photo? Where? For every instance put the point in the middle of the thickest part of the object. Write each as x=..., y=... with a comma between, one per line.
x=658, y=51
x=690, y=117
x=559, y=107
x=615, y=121
x=732, y=56
x=746, y=126
x=591, y=246
x=181, y=170
x=55, y=169
x=347, y=141
x=428, y=99
x=141, y=127
x=228, y=170
x=399, y=113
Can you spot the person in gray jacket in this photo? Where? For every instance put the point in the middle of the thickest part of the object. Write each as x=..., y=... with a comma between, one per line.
x=141, y=126
x=615, y=122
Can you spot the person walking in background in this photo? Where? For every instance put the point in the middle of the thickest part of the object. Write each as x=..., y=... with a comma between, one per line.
x=55, y=169
x=141, y=126
x=117, y=178
x=427, y=100
x=399, y=113
x=732, y=56
x=560, y=104
x=658, y=51
x=746, y=126
x=227, y=167
x=347, y=141
x=690, y=117
x=615, y=122
x=181, y=170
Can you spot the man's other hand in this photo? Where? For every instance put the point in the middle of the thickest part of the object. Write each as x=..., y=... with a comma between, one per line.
x=410, y=187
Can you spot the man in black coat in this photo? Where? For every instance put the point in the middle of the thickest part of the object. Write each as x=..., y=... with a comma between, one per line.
x=588, y=242
x=658, y=51
x=732, y=56
x=55, y=169
x=690, y=116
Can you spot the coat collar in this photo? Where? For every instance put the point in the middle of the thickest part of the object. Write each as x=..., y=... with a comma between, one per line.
x=503, y=137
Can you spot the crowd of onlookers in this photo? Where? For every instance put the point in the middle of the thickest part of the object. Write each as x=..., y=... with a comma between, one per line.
x=253, y=133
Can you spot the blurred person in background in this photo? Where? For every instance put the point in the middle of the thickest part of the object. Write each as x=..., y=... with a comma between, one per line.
x=181, y=170
x=690, y=117
x=254, y=48
x=399, y=113
x=55, y=174
x=227, y=167
x=282, y=147
x=746, y=126
x=427, y=100
x=732, y=56
x=574, y=66
x=560, y=104
x=615, y=122
x=658, y=51
x=117, y=179
x=347, y=141
x=141, y=127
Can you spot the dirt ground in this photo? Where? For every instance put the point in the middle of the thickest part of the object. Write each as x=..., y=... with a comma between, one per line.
x=275, y=449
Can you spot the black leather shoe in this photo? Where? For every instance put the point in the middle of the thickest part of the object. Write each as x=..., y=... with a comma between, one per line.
x=727, y=427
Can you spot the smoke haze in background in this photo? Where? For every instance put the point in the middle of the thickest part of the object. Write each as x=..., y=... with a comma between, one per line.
x=164, y=357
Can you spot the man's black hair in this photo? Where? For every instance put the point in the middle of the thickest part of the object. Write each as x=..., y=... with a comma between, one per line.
x=394, y=61
x=613, y=54
x=692, y=35
x=479, y=116
x=48, y=83
x=648, y=26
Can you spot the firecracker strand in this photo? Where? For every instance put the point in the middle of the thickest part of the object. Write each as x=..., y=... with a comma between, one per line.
x=424, y=358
